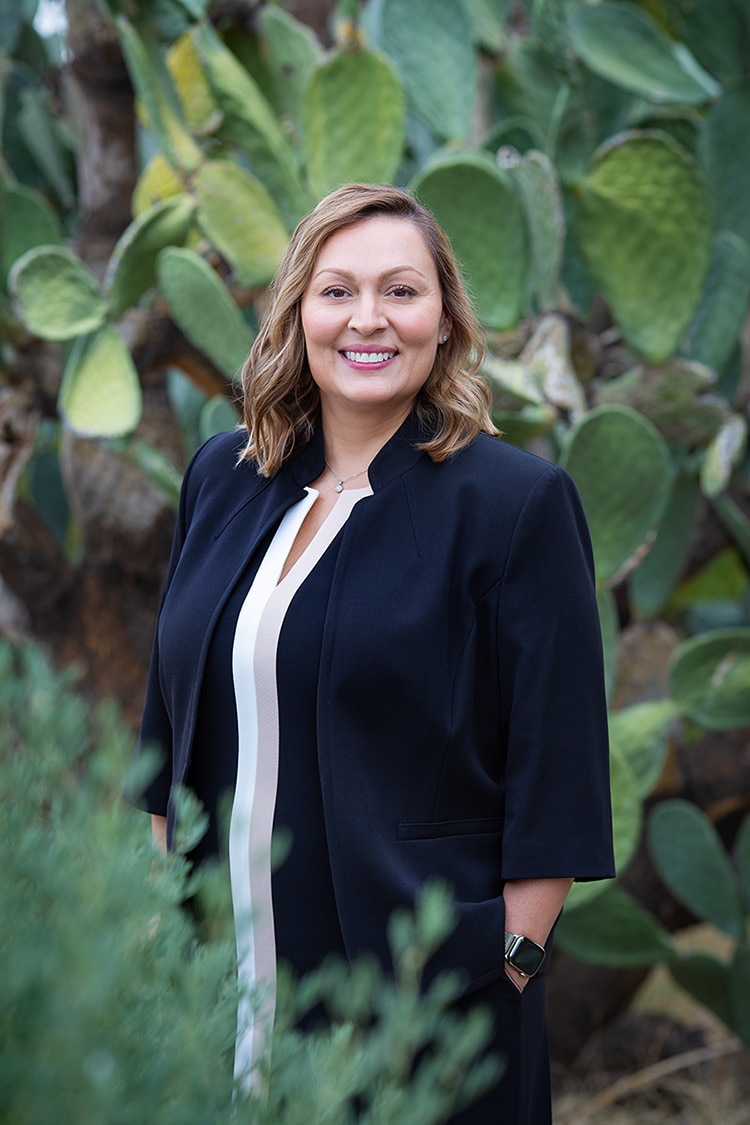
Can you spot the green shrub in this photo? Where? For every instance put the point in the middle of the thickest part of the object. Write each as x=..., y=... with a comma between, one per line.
x=114, y=1010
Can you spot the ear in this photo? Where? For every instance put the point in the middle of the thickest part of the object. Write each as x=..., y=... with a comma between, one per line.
x=445, y=328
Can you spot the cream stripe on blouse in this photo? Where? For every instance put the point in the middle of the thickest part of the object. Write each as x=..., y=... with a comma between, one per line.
x=254, y=671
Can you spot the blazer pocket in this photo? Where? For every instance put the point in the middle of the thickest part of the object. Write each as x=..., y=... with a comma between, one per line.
x=440, y=829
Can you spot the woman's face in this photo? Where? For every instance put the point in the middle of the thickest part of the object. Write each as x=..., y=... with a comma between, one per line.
x=372, y=316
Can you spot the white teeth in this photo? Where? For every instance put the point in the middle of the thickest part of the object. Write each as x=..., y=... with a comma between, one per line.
x=369, y=357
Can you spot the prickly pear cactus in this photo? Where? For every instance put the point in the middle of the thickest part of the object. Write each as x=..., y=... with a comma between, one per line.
x=100, y=394
x=132, y=267
x=625, y=45
x=644, y=226
x=711, y=678
x=432, y=44
x=26, y=221
x=241, y=219
x=203, y=307
x=482, y=213
x=56, y=296
x=623, y=472
x=354, y=120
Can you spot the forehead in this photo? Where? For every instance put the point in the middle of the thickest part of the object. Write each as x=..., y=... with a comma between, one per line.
x=380, y=242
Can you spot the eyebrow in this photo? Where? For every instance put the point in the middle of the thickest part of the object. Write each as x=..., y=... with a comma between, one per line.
x=382, y=277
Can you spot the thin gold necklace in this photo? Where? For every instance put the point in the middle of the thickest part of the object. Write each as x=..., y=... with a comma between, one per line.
x=341, y=481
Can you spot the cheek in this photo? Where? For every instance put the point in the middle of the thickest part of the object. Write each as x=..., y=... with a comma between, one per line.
x=319, y=327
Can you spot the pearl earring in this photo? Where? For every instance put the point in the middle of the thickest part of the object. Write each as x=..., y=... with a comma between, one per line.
x=445, y=337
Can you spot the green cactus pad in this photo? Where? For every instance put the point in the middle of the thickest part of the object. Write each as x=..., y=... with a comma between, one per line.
x=644, y=227
x=202, y=114
x=132, y=268
x=432, y=45
x=203, y=308
x=353, y=121
x=718, y=34
x=100, y=394
x=483, y=216
x=623, y=471
x=241, y=219
x=622, y=43
x=613, y=929
x=716, y=325
x=157, y=181
x=155, y=88
x=652, y=583
x=711, y=981
x=711, y=678
x=157, y=467
x=627, y=808
x=542, y=201
x=488, y=22
x=55, y=295
x=723, y=454
x=693, y=863
x=724, y=155
x=251, y=124
x=26, y=221
x=216, y=417
x=642, y=734
x=291, y=52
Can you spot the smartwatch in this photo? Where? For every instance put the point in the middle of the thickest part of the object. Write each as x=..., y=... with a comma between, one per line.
x=523, y=954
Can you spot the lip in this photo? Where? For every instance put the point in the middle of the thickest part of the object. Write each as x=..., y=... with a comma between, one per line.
x=347, y=355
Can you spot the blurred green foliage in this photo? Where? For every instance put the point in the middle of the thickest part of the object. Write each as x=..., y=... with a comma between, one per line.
x=115, y=1007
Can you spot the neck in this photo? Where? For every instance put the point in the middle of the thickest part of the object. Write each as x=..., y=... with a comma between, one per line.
x=351, y=443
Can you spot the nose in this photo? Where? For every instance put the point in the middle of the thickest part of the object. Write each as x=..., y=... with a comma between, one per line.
x=367, y=314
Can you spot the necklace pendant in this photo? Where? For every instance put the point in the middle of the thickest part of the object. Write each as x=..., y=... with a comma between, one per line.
x=339, y=487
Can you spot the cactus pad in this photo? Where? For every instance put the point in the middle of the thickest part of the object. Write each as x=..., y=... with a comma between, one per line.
x=711, y=678
x=55, y=295
x=644, y=226
x=155, y=88
x=250, y=123
x=716, y=325
x=354, y=121
x=132, y=267
x=539, y=189
x=692, y=861
x=625, y=45
x=652, y=583
x=432, y=44
x=623, y=472
x=203, y=308
x=240, y=218
x=26, y=221
x=100, y=394
x=482, y=214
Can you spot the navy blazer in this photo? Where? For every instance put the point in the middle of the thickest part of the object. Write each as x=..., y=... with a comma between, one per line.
x=462, y=727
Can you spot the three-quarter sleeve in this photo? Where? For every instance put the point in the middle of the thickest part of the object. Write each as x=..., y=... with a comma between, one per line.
x=558, y=811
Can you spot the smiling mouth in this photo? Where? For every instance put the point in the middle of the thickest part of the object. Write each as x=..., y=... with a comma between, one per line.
x=368, y=357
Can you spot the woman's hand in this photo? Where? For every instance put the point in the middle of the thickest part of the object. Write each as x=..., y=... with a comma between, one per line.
x=159, y=833
x=518, y=980
x=531, y=908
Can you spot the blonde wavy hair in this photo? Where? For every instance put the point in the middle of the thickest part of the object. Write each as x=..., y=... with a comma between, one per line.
x=281, y=401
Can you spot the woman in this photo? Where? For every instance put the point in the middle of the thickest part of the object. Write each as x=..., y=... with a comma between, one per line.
x=379, y=631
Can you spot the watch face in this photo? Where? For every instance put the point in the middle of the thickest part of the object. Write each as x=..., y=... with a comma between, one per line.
x=526, y=956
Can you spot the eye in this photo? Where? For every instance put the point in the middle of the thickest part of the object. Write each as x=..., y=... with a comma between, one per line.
x=401, y=291
x=335, y=291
